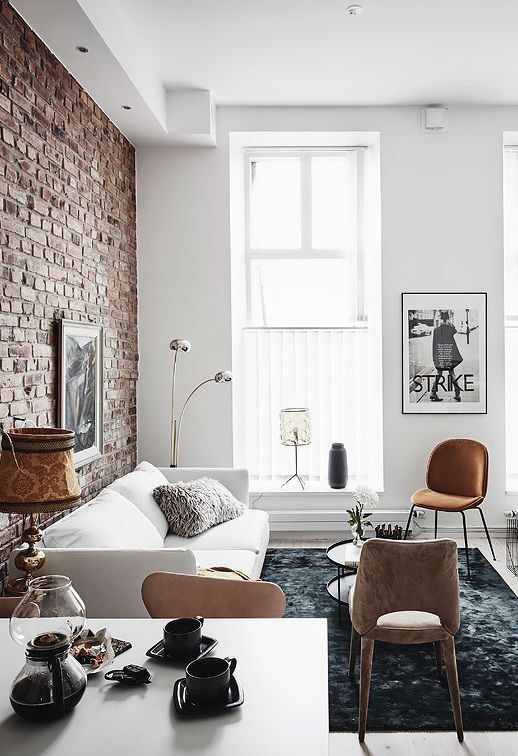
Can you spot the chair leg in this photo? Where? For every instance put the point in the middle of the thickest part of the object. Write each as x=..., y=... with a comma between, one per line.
x=367, y=651
x=408, y=522
x=436, y=519
x=448, y=649
x=466, y=543
x=353, y=651
x=487, y=533
x=438, y=657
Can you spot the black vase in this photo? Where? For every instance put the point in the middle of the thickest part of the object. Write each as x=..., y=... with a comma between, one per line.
x=337, y=470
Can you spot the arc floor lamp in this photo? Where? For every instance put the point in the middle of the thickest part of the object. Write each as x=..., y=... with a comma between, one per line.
x=224, y=376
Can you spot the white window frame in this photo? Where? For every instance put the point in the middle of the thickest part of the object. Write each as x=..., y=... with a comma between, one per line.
x=510, y=316
x=306, y=250
x=367, y=144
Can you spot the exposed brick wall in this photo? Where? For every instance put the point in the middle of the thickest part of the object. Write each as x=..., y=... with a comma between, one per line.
x=68, y=247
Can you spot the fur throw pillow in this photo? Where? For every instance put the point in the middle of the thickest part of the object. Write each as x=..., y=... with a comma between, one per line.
x=193, y=507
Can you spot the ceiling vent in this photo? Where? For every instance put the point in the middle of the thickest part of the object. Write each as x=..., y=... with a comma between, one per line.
x=434, y=119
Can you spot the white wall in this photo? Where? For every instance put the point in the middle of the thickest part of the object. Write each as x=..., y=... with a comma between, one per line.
x=441, y=231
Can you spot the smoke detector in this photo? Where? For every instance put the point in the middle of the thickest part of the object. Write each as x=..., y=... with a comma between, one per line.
x=434, y=119
x=355, y=10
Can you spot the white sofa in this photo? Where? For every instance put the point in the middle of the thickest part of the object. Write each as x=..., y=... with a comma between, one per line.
x=109, y=545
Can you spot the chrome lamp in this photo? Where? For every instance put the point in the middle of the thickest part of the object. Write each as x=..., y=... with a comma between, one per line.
x=224, y=376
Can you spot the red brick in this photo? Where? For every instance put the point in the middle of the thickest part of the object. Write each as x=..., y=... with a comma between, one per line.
x=64, y=168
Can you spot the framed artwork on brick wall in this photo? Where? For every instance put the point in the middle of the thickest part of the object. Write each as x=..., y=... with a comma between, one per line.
x=444, y=353
x=80, y=387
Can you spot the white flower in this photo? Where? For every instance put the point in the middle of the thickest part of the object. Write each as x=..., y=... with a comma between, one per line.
x=366, y=497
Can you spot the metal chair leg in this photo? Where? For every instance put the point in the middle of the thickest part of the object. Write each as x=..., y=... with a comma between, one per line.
x=466, y=543
x=487, y=533
x=409, y=519
x=436, y=519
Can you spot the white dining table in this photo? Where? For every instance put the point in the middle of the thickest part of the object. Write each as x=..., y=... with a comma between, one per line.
x=281, y=664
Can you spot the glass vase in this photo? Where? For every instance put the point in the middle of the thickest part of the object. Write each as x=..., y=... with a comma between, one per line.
x=51, y=605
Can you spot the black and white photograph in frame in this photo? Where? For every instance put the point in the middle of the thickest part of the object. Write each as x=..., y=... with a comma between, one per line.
x=80, y=386
x=444, y=353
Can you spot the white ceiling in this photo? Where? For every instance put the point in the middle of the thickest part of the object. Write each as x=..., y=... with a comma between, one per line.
x=281, y=52
x=311, y=52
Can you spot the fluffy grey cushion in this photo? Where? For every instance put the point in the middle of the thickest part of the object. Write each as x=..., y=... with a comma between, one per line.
x=191, y=508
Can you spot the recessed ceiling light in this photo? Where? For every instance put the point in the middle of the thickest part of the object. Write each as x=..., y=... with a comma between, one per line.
x=126, y=107
x=82, y=49
x=355, y=10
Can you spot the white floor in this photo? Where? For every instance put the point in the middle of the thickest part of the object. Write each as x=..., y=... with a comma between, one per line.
x=425, y=743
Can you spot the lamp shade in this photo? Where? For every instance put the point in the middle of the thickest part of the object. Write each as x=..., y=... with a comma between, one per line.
x=295, y=427
x=40, y=475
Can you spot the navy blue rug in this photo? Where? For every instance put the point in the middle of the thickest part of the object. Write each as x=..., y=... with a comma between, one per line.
x=406, y=694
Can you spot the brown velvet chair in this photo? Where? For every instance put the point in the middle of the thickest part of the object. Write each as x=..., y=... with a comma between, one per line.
x=168, y=594
x=7, y=606
x=406, y=592
x=456, y=480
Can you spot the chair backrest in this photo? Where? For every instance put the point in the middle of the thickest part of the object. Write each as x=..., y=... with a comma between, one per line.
x=396, y=576
x=7, y=606
x=168, y=594
x=458, y=466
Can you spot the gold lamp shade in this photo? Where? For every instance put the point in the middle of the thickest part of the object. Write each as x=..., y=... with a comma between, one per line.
x=36, y=475
x=39, y=476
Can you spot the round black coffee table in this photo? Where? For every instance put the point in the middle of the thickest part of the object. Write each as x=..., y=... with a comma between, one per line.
x=345, y=557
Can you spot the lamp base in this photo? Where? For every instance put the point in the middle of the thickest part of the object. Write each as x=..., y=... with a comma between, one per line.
x=296, y=473
x=297, y=476
x=29, y=560
x=18, y=587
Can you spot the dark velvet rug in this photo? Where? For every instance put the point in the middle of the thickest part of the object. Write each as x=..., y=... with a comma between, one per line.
x=406, y=694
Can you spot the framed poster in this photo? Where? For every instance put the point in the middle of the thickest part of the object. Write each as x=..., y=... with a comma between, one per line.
x=80, y=387
x=444, y=353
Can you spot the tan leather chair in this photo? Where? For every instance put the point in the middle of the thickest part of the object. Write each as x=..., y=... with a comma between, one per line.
x=7, y=606
x=456, y=480
x=168, y=594
x=406, y=592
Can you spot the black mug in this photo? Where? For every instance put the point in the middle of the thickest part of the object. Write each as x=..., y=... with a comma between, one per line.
x=208, y=679
x=181, y=636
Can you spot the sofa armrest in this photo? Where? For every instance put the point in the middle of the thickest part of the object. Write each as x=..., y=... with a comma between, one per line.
x=109, y=580
x=233, y=478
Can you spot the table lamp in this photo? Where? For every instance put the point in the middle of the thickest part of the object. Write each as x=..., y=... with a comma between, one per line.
x=295, y=431
x=36, y=475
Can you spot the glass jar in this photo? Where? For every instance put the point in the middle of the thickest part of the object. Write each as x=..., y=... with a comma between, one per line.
x=51, y=682
x=51, y=605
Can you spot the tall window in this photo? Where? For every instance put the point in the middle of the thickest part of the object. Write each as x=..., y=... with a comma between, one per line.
x=306, y=340
x=511, y=313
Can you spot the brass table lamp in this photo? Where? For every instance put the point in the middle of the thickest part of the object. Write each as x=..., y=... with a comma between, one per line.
x=36, y=475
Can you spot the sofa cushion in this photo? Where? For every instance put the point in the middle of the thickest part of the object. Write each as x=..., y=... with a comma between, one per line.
x=108, y=522
x=243, y=561
x=192, y=508
x=246, y=532
x=137, y=486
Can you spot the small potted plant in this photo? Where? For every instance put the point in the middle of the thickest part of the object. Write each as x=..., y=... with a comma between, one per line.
x=366, y=498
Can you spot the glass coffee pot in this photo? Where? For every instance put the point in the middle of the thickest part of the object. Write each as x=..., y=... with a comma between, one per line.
x=46, y=621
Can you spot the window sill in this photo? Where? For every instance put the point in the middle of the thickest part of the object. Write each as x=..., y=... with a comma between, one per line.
x=275, y=489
